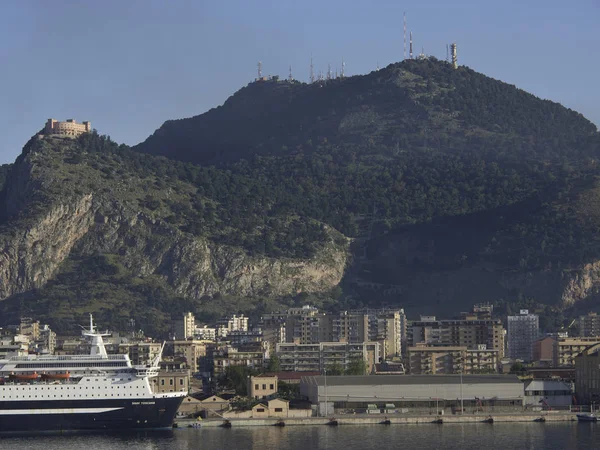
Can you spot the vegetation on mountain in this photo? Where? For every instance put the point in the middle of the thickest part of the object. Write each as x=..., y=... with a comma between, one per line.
x=436, y=174
x=3, y=171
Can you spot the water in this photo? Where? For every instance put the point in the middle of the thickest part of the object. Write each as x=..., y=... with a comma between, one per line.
x=530, y=436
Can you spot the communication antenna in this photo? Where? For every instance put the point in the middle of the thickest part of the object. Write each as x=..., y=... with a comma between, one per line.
x=343, y=67
x=453, y=52
x=405, y=35
x=377, y=65
x=290, y=77
x=312, y=70
x=411, y=52
x=259, y=70
x=329, y=71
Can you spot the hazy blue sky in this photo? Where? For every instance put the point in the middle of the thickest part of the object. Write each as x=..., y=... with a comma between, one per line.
x=127, y=66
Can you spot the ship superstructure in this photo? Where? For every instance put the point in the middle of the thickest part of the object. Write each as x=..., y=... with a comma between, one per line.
x=82, y=392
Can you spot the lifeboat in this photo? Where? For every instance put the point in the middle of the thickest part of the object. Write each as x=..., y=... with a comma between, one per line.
x=24, y=376
x=56, y=376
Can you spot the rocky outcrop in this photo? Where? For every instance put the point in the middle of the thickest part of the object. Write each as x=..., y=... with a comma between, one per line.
x=196, y=267
x=580, y=284
x=32, y=252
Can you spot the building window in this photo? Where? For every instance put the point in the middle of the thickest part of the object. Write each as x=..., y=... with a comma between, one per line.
x=256, y=387
x=271, y=387
x=162, y=382
x=264, y=386
x=171, y=382
x=278, y=409
x=260, y=409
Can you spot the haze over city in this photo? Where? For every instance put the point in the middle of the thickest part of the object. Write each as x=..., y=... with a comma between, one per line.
x=129, y=66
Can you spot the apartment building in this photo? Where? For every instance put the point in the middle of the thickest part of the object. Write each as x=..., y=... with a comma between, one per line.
x=141, y=352
x=251, y=355
x=307, y=325
x=589, y=325
x=191, y=350
x=186, y=327
x=587, y=375
x=567, y=349
x=523, y=331
x=326, y=355
x=233, y=323
x=425, y=359
x=470, y=332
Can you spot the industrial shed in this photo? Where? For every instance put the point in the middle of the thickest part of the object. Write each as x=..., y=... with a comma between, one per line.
x=442, y=393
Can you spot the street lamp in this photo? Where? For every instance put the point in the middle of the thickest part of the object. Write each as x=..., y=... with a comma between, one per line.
x=326, y=408
x=462, y=408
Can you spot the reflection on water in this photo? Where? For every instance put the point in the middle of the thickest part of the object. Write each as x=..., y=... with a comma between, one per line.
x=448, y=436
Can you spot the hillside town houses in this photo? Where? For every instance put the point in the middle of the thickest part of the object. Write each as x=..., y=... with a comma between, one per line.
x=297, y=346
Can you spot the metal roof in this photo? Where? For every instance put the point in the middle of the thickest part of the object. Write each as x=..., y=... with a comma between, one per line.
x=374, y=380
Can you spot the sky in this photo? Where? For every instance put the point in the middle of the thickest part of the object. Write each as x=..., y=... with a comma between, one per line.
x=128, y=66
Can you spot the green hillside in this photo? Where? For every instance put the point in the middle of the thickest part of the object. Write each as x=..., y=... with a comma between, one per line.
x=416, y=186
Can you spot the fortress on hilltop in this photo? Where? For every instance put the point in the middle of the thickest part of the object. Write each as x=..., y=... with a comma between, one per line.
x=68, y=128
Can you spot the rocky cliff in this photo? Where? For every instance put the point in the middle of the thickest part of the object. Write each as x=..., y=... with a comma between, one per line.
x=62, y=203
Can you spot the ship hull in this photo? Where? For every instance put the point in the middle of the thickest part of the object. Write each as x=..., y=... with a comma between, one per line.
x=87, y=415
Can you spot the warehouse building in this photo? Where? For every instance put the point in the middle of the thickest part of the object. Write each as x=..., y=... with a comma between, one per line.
x=407, y=393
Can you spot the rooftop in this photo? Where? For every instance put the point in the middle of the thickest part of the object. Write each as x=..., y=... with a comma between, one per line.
x=354, y=380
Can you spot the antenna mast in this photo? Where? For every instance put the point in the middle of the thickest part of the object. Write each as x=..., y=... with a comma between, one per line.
x=259, y=70
x=312, y=70
x=453, y=52
x=411, y=52
x=343, y=67
x=290, y=77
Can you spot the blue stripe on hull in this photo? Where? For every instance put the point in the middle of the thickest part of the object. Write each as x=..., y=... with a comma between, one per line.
x=120, y=415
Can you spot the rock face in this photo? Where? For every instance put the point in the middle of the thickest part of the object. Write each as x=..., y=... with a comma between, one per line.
x=51, y=218
x=581, y=284
x=30, y=256
x=195, y=267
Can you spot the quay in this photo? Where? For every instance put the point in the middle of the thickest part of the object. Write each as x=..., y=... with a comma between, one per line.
x=391, y=419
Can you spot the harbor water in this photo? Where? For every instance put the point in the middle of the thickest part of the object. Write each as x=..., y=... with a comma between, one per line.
x=571, y=435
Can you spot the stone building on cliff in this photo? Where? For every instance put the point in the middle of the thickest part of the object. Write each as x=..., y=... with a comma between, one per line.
x=68, y=128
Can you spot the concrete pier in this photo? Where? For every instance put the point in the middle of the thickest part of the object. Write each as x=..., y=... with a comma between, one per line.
x=343, y=420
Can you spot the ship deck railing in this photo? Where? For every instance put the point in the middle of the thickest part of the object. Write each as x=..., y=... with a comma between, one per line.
x=119, y=357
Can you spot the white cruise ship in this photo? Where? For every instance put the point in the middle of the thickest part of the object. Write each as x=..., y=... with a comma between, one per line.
x=82, y=392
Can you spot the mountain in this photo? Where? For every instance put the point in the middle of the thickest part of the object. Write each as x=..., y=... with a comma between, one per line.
x=456, y=188
x=416, y=104
x=416, y=186
x=89, y=226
